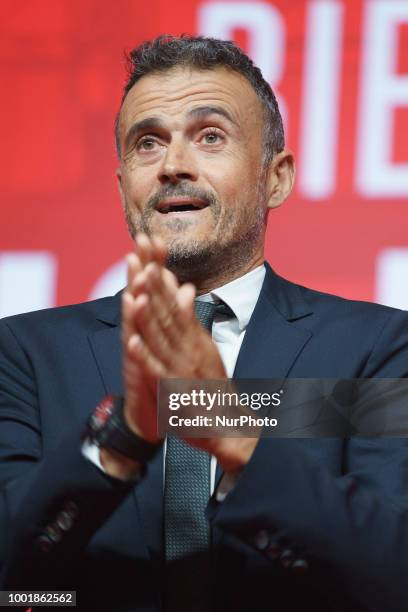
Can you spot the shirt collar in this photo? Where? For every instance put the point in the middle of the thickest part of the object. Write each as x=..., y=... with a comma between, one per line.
x=240, y=295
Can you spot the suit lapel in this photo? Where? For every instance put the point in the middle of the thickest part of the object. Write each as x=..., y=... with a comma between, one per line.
x=106, y=348
x=107, y=351
x=273, y=339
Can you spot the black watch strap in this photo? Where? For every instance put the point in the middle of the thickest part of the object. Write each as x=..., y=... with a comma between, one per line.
x=107, y=428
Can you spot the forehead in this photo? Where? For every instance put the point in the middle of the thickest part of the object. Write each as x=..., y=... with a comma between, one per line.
x=172, y=94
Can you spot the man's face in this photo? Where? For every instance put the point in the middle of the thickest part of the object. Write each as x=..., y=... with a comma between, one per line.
x=191, y=169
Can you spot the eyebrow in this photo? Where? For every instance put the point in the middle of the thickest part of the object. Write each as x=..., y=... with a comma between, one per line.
x=199, y=112
x=150, y=123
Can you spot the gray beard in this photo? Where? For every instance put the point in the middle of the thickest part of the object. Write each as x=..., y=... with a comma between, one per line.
x=197, y=262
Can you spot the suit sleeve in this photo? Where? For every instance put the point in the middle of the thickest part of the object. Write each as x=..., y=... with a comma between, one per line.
x=351, y=527
x=49, y=506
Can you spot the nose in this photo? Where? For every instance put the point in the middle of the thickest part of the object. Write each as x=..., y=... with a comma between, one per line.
x=178, y=164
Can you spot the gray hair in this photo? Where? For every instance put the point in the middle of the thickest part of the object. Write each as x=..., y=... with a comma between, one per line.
x=166, y=52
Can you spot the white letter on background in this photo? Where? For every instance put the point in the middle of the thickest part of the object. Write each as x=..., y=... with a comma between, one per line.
x=320, y=106
x=111, y=281
x=266, y=28
x=27, y=281
x=391, y=277
x=381, y=91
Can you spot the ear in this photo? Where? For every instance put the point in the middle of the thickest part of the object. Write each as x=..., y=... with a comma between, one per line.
x=119, y=177
x=280, y=178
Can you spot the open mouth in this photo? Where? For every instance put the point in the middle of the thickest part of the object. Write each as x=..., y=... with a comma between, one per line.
x=181, y=205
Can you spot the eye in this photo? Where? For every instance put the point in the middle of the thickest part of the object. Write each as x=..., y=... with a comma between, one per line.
x=212, y=136
x=146, y=143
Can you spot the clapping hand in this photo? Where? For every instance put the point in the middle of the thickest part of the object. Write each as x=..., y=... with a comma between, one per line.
x=163, y=339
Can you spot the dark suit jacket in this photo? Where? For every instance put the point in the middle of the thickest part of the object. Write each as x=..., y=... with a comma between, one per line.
x=339, y=505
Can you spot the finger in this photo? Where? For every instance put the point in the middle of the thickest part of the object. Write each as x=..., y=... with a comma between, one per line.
x=127, y=311
x=161, y=335
x=163, y=290
x=144, y=249
x=193, y=337
x=178, y=325
x=185, y=298
x=158, y=321
x=133, y=267
x=196, y=340
x=142, y=355
x=159, y=250
x=138, y=284
x=138, y=382
x=163, y=309
x=169, y=280
x=147, y=252
x=149, y=329
x=183, y=318
x=136, y=288
x=139, y=385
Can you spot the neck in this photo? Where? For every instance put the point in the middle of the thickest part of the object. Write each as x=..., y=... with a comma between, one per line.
x=219, y=277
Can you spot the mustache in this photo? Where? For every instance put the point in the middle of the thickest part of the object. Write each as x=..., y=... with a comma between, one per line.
x=180, y=189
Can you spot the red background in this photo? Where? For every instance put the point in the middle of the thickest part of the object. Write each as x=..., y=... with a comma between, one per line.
x=62, y=73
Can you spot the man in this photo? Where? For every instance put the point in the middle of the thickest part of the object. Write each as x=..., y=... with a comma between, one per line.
x=314, y=524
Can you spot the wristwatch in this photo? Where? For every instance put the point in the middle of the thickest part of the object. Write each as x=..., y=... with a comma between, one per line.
x=108, y=429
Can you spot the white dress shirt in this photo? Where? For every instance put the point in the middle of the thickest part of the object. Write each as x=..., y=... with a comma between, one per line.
x=241, y=295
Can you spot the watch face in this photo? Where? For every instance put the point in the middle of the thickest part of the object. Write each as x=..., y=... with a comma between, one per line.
x=102, y=412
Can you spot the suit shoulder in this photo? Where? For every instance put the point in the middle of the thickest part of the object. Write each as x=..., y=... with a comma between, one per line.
x=347, y=337
x=321, y=300
x=354, y=318
x=319, y=310
x=74, y=315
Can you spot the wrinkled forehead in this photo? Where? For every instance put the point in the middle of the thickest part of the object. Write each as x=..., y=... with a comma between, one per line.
x=171, y=95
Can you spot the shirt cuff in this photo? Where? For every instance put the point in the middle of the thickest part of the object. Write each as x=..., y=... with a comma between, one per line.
x=91, y=452
x=226, y=484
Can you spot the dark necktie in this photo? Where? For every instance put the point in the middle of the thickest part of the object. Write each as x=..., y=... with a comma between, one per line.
x=186, y=495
